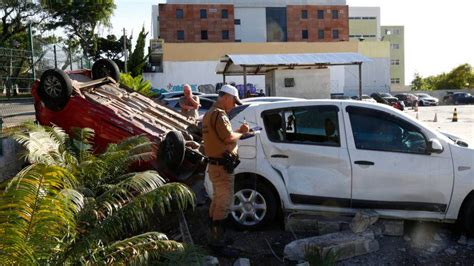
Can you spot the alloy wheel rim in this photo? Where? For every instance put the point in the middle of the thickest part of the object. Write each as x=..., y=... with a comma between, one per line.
x=249, y=207
x=52, y=86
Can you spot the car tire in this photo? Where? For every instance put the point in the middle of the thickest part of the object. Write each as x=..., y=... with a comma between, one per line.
x=243, y=214
x=172, y=151
x=420, y=103
x=55, y=89
x=105, y=68
x=456, y=103
x=467, y=218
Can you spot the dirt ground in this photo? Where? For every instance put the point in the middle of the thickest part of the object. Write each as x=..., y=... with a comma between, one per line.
x=423, y=244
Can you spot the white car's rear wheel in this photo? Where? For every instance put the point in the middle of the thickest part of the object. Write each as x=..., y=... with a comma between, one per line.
x=253, y=206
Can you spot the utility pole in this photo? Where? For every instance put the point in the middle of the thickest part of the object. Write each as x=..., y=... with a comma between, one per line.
x=30, y=33
x=55, y=58
x=125, y=51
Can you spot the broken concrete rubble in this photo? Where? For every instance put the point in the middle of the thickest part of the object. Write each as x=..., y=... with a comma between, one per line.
x=344, y=244
x=362, y=220
x=242, y=262
x=316, y=224
x=392, y=227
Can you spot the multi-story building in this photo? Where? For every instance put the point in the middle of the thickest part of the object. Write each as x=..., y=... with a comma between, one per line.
x=190, y=37
x=364, y=23
x=395, y=35
x=252, y=21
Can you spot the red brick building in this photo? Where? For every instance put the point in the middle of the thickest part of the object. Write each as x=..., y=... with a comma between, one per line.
x=196, y=23
x=318, y=23
x=232, y=23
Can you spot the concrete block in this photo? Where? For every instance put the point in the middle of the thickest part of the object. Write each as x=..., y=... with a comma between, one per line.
x=344, y=244
x=392, y=227
x=316, y=224
x=211, y=261
x=362, y=220
x=242, y=262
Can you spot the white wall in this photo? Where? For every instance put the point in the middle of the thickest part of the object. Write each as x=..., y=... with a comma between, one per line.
x=375, y=77
x=253, y=24
x=198, y=73
x=337, y=79
x=155, y=26
x=309, y=84
x=359, y=11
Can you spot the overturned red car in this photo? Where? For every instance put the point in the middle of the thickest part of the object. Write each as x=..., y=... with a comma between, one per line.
x=94, y=99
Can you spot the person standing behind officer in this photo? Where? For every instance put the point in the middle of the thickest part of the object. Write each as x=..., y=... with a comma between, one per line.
x=189, y=103
x=220, y=146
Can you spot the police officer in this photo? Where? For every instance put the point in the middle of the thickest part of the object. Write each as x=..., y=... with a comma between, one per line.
x=220, y=146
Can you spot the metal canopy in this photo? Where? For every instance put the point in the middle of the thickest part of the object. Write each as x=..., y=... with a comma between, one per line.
x=259, y=64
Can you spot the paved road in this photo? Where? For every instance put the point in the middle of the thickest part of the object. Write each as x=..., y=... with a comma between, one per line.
x=15, y=112
x=464, y=128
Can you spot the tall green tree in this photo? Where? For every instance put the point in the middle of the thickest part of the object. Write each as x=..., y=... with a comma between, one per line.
x=138, y=59
x=80, y=19
x=15, y=17
x=460, y=77
x=111, y=47
x=417, y=82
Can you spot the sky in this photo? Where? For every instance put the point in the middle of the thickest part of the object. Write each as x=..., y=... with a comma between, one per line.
x=438, y=34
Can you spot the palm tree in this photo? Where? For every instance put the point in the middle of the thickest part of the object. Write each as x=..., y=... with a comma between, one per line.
x=73, y=207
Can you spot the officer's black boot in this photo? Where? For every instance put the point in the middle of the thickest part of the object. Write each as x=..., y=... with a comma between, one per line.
x=217, y=240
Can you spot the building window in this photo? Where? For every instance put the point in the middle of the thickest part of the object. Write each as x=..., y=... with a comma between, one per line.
x=304, y=14
x=236, y=21
x=179, y=13
x=395, y=62
x=395, y=80
x=320, y=14
x=321, y=34
x=204, y=35
x=396, y=32
x=335, y=34
x=225, y=13
x=388, y=32
x=238, y=40
x=335, y=14
x=225, y=35
x=304, y=34
x=395, y=46
x=203, y=13
x=180, y=35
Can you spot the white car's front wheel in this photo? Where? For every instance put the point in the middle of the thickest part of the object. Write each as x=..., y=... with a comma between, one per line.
x=253, y=206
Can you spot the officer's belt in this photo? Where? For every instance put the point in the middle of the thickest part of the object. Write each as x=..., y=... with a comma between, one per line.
x=216, y=161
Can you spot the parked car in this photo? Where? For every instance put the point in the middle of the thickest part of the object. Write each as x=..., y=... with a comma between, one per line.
x=269, y=99
x=425, y=99
x=407, y=98
x=340, y=156
x=458, y=98
x=210, y=96
x=365, y=98
x=174, y=94
x=93, y=99
x=388, y=99
x=206, y=104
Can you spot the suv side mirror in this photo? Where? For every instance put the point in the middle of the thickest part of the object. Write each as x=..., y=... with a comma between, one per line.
x=434, y=146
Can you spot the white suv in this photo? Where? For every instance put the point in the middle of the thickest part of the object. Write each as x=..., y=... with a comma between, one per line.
x=340, y=156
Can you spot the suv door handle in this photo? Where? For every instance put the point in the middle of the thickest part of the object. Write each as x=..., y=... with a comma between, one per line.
x=364, y=163
x=279, y=156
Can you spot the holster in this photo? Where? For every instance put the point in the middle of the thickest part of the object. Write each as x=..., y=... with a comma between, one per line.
x=231, y=162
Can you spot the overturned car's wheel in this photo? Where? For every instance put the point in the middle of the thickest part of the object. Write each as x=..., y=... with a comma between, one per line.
x=105, y=68
x=254, y=205
x=172, y=150
x=55, y=89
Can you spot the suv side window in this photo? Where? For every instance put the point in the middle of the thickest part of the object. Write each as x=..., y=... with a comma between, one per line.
x=380, y=131
x=314, y=125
